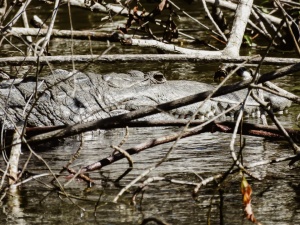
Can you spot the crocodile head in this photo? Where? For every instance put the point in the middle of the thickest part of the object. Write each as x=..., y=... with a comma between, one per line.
x=73, y=97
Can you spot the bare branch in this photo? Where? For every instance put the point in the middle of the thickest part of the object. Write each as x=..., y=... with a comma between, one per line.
x=31, y=60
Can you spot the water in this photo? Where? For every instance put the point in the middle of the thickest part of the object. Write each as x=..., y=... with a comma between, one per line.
x=203, y=155
x=275, y=199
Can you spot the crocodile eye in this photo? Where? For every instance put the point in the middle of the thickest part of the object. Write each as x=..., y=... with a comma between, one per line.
x=155, y=77
x=159, y=77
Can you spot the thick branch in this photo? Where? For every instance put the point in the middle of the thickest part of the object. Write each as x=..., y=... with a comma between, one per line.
x=242, y=15
x=248, y=128
x=32, y=60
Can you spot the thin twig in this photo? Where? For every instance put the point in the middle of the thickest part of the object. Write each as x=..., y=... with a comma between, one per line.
x=212, y=20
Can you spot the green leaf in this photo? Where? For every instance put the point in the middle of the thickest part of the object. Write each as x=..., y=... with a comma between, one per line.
x=248, y=40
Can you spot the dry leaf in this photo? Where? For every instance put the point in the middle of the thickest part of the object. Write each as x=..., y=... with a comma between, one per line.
x=246, y=192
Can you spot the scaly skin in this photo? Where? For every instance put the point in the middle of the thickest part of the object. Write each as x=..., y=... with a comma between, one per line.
x=87, y=97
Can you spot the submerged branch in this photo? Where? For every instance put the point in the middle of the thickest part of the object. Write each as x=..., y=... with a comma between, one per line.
x=225, y=126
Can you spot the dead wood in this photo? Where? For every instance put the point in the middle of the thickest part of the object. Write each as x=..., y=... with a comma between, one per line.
x=15, y=155
x=241, y=18
x=130, y=58
x=76, y=34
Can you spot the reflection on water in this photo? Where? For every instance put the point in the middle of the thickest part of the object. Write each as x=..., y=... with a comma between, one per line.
x=204, y=155
x=12, y=208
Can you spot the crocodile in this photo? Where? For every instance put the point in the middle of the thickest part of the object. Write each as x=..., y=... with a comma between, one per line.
x=65, y=98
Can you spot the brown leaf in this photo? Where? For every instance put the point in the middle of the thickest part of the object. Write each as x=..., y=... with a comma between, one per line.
x=246, y=192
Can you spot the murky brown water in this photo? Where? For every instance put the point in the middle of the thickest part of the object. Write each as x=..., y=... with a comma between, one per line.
x=275, y=198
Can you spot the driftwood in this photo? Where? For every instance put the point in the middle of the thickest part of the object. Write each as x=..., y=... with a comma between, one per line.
x=131, y=58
